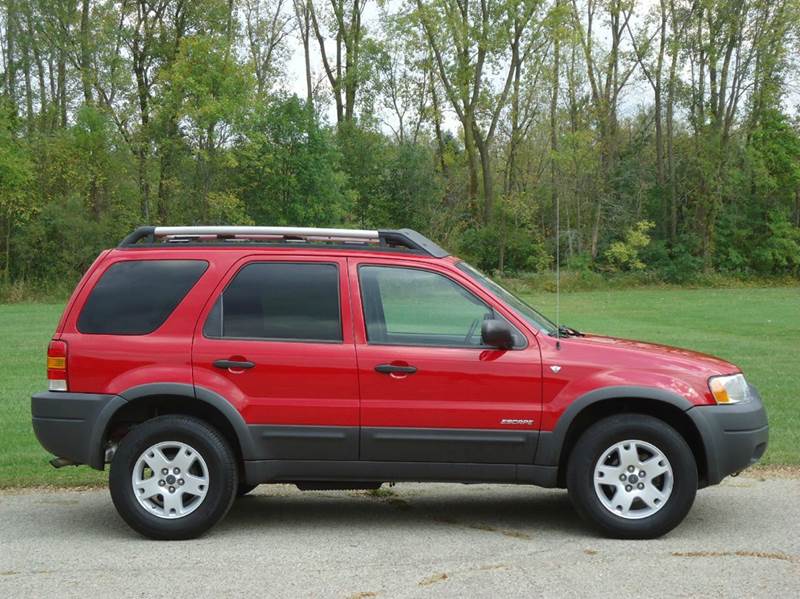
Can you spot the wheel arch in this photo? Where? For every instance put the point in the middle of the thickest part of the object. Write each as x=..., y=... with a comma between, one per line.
x=555, y=447
x=146, y=401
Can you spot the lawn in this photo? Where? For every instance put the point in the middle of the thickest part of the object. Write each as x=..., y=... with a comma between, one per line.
x=758, y=329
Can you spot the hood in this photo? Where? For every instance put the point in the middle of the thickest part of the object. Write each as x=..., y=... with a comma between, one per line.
x=639, y=354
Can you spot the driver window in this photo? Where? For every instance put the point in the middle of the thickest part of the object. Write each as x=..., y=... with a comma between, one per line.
x=408, y=306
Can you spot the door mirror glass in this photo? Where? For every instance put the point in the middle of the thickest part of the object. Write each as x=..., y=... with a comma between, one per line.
x=497, y=333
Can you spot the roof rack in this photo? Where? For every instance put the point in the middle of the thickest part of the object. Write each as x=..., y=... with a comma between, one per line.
x=370, y=239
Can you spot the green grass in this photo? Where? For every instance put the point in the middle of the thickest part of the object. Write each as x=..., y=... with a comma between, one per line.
x=758, y=329
x=26, y=330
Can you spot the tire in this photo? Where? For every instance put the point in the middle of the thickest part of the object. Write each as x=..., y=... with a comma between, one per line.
x=638, y=507
x=209, y=478
x=243, y=489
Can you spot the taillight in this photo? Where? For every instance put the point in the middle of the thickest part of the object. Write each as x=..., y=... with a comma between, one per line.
x=57, y=366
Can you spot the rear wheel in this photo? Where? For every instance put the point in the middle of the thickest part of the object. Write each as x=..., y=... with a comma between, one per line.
x=173, y=477
x=633, y=476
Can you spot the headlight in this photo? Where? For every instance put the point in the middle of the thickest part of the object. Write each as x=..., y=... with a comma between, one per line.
x=729, y=389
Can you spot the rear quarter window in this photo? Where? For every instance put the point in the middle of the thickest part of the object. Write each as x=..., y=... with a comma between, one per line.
x=135, y=297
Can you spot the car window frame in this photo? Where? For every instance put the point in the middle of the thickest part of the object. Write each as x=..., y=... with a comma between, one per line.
x=481, y=347
x=283, y=260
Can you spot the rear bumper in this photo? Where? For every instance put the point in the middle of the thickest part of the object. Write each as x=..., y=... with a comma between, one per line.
x=71, y=425
x=734, y=436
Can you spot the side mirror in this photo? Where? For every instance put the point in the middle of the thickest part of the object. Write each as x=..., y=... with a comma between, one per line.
x=497, y=333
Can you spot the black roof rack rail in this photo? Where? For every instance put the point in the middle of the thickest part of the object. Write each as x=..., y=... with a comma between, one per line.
x=411, y=239
x=372, y=239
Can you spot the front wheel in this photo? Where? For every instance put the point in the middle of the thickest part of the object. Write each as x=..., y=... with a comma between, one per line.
x=173, y=477
x=633, y=476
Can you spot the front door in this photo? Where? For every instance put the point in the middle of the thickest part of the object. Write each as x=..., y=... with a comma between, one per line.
x=276, y=342
x=430, y=390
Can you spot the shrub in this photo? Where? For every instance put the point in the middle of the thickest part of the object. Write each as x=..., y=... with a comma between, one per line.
x=624, y=254
x=521, y=249
x=778, y=252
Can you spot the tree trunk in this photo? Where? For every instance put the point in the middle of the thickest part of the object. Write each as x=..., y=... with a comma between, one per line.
x=673, y=191
x=11, y=38
x=39, y=69
x=62, y=90
x=26, y=69
x=554, y=120
x=488, y=177
x=306, y=34
x=437, y=126
x=86, y=56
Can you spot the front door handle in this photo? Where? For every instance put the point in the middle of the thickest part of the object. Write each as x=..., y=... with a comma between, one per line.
x=395, y=369
x=234, y=364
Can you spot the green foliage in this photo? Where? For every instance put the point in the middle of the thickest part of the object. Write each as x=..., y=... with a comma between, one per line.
x=287, y=167
x=774, y=153
x=207, y=85
x=521, y=249
x=470, y=123
x=779, y=250
x=16, y=173
x=624, y=254
x=393, y=184
x=227, y=209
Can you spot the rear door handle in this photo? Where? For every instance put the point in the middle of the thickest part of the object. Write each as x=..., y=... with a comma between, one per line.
x=394, y=369
x=234, y=364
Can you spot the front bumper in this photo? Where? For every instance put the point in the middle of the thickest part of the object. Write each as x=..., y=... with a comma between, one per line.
x=72, y=425
x=734, y=436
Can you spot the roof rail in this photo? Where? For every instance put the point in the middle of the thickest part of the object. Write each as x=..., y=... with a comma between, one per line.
x=404, y=238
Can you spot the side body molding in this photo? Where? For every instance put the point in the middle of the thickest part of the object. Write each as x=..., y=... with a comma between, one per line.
x=551, y=442
x=205, y=395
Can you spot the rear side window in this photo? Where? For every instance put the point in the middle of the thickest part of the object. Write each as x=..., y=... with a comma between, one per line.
x=279, y=301
x=135, y=297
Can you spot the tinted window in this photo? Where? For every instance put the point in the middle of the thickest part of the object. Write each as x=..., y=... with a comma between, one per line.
x=405, y=306
x=135, y=297
x=297, y=302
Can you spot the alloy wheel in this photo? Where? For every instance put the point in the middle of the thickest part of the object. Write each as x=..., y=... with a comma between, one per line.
x=170, y=479
x=633, y=479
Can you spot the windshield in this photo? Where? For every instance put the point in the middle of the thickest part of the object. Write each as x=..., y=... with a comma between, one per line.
x=528, y=314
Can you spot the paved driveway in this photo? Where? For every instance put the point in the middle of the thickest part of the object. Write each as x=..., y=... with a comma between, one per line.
x=741, y=539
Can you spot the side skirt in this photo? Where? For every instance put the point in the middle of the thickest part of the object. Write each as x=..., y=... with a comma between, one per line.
x=294, y=471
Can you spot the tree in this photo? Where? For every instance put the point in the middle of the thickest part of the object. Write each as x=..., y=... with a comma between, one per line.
x=346, y=69
x=466, y=39
x=267, y=25
x=16, y=176
x=287, y=168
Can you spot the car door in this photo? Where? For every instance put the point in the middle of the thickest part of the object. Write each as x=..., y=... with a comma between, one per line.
x=276, y=341
x=430, y=391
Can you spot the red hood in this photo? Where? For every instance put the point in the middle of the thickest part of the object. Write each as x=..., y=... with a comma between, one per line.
x=657, y=356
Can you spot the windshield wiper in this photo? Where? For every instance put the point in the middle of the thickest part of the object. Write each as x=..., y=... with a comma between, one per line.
x=564, y=331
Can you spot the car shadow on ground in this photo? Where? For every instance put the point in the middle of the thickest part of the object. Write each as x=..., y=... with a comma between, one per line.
x=518, y=513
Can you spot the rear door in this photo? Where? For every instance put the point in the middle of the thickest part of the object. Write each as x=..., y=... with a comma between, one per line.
x=430, y=391
x=276, y=341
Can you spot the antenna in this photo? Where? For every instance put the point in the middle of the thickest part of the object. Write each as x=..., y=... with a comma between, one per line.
x=558, y=272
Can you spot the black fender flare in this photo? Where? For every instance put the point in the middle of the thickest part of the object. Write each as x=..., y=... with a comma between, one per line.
x=207, y=396
x=551, y=443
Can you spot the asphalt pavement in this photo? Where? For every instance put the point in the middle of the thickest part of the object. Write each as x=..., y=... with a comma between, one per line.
x=411, y=540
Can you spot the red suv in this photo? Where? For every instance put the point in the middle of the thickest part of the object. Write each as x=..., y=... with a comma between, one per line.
x=202, y=361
